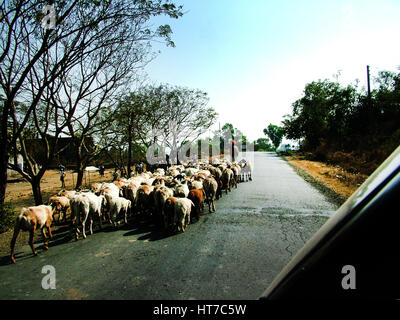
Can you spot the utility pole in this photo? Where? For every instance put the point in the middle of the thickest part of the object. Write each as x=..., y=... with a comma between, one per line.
x=369, y=103
x=369, y=87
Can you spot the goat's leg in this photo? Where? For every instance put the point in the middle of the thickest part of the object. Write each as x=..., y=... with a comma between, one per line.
x=187, y=220
x=76, y=227
x=45, y=240
x=65, y=214
x=100, y=217
x=48, y=227
x=31, y=236
x=91, y=224
x=75, y=222
x=60, y=212
x=110, y=214
x=125, y=216
x=14, y=238
x=83, y=226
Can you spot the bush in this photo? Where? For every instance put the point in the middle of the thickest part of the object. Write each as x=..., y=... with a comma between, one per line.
x=7, y=217
x=287, y=152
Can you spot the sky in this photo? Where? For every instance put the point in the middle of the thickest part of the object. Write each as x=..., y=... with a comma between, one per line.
x=255, y=57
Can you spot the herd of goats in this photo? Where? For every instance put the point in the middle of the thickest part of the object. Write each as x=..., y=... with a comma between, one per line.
x=171, y=197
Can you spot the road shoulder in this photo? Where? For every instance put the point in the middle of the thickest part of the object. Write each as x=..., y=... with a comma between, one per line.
x=323, y=178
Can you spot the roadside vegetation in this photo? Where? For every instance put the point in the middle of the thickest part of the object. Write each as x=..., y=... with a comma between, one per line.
x=344, y=133
x=346, y=126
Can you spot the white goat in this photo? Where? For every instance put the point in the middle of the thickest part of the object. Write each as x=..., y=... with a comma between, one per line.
x=183, y=207
x=85, y=206
x=181, y=190
x=118, y=206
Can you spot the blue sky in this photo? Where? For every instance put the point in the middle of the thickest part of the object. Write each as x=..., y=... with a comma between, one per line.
x=254, y=57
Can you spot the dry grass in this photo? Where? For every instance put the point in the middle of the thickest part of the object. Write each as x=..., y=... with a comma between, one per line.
x=333, y=177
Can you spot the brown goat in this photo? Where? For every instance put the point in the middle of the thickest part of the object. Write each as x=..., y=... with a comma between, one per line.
x=31, y=219
x=61, y=205
x=169, y=212
x=210, y=189
x=197, y=196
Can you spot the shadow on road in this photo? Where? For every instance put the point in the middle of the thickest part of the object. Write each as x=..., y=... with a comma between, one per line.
x=152, y=232
x=146, y=228
x=60, y=236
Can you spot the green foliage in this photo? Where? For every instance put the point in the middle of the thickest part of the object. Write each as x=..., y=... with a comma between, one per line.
x=7, y=217
x=263, y=144
x=165, y=32
x=234, y=131
x=321, y=112
x=330, y=118
x=286, y=153
x=275, y=133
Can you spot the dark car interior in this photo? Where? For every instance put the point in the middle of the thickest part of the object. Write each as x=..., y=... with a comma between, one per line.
x=365, y=234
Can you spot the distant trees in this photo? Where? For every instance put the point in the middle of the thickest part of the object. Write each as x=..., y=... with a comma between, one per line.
x=263, y=144
x=275, y=133
x=330, y=118
x=162, y=117
x=230, y=133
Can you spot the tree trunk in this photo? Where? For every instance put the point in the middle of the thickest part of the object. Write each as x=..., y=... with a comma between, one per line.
x=79, y=170
x=79, y=167
x=3, y=176
x=4, y=150
x=129, y=154
x=37, y=194
x=79, y=179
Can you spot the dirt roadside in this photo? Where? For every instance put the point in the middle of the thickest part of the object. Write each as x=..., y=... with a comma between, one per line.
x=334, y=181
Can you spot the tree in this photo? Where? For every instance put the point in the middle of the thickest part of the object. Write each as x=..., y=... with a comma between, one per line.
x=22, y=46
x=263, y=144
x=129, y=121
x=159, y=118
x=224, y=136
x=35, y=59
x=330, y=117
x=185, y=116
x=275, y=133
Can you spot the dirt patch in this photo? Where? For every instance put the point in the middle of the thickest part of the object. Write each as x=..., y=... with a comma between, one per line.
x=334, y=181
x=75, y=294
x=19, y=194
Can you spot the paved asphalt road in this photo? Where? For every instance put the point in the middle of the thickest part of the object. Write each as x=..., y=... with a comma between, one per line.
x=232, y=254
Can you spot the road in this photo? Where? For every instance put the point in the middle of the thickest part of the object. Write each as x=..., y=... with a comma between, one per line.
x=234, y=253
